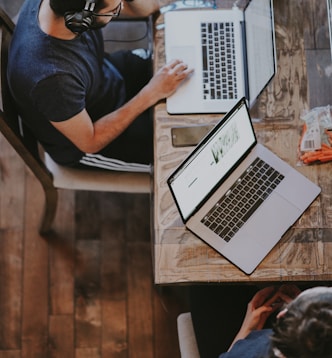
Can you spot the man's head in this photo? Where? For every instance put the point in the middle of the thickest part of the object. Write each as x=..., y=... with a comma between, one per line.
x=304, y=328
x=82, y=15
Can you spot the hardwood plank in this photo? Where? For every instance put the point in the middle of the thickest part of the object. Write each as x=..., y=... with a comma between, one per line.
x=87, y=294
x=113, y=276
x=140, y=311
x=168, y=303
x=35, y=278
x=12, y=198
x=138, y=217
x=87, y=215
x=12, y=181
x=87, y=353
x=62, y=255
x=114, y=329
x=114, y=251
x=10, y=354
x=11, y=288
x=61, y=341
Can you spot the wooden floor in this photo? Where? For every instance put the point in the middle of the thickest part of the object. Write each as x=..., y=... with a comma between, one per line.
x=87, y=290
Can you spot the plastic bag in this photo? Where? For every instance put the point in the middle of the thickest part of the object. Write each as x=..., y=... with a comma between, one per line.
x=316, y=139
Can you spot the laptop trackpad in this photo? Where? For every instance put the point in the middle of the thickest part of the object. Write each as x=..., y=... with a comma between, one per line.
x=271, y=221
x=184, y=53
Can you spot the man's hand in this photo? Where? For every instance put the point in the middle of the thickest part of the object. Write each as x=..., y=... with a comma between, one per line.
x=168, y=78
x=262, y=305
x=259, y=309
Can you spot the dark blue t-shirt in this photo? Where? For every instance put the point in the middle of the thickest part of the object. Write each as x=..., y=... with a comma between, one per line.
x=53, y=80
x=255, y=345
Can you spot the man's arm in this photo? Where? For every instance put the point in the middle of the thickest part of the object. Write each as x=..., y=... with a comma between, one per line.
x=258, y=310
x=91, y=137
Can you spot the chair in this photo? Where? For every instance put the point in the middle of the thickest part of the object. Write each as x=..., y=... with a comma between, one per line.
x=51, y=175
x=187, y=339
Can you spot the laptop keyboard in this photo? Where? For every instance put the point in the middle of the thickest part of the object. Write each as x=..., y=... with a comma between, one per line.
x=251, y=189
x=219, y=68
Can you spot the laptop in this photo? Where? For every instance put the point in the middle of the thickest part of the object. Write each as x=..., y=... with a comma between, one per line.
x=236, y=195
x=231, y=50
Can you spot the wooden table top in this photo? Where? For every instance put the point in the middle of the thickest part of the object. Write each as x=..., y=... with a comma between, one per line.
x=302, y=82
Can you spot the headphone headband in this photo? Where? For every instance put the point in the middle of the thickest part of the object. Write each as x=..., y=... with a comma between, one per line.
x=90, y=5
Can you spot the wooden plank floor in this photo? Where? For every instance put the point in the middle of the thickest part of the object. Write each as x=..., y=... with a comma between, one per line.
x=87, y=290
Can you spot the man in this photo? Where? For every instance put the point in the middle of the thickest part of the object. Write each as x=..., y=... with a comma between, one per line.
x=302, y=327
x=84, y=106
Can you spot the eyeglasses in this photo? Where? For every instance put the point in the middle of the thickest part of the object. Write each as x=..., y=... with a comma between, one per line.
x=114, y=13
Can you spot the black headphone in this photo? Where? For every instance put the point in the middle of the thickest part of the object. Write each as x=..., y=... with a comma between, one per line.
x=80, y=21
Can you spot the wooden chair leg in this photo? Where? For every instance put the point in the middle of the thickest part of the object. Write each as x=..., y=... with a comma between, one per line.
x=51, y=201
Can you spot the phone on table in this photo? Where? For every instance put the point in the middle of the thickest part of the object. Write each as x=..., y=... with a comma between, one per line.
x=185, y=136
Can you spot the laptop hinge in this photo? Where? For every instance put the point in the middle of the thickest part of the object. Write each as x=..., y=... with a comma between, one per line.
x=245, y=60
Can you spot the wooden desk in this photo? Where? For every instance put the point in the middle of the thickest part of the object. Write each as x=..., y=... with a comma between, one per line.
x=305, y=251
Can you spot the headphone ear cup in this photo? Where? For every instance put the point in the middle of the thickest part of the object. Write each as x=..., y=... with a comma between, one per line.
x=78, y=22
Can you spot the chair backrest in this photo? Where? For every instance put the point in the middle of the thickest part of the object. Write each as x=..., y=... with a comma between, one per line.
x=10, y=124
x=186, y=334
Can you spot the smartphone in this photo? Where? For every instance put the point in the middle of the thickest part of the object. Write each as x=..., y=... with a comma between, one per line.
x=189, y=135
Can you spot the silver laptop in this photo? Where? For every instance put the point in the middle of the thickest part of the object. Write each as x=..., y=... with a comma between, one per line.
x=232, y=52
x=236, y=195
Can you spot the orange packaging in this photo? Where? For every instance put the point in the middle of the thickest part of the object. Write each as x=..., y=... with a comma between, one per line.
x=316, y=140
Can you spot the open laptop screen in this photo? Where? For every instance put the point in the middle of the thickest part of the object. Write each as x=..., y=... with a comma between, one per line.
x=212, y=160
x=260, y=43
